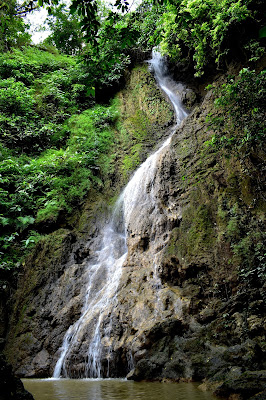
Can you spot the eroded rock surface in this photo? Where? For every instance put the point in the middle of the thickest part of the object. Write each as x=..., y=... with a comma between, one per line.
x=182, y=309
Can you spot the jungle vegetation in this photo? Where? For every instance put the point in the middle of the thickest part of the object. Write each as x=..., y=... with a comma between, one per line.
x=57, y=134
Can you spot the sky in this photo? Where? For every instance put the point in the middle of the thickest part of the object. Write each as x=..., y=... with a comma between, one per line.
x=36, y=20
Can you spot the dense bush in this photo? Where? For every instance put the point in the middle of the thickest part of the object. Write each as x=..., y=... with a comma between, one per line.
x=29, y=62
x=240, y=123
x=53, y=149
x=206, y=34
x=38, y=92
x=38, y=189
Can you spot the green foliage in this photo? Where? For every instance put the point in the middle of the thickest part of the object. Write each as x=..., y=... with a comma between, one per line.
x=31, y=240
x=48, y=161
x=250, y=255
x=88, y=11
x=38, y=92
x=40, y=189
x=66, y=33
x=30, y=62
x=12, y=27
x=15, y=98
x=17, y=118
x=108, y=60
x=206, y=32
x=242, y=100
x=147, y=21
x=247, y=245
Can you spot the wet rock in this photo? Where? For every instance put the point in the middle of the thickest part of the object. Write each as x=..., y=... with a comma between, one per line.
x=247, y=384
x=145, y=370
x=189, y=98
x=206, y=315
x=175, y=368
x=131, y=376
x=138, y=355
x=259, y=396
x=41, y=363
x=11, y=387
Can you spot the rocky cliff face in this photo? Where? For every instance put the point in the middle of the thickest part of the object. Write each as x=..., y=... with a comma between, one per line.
x=52, y=288
x=184, y=310
x=219, y=333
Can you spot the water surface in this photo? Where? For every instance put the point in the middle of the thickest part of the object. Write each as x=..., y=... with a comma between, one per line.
x=113, y=389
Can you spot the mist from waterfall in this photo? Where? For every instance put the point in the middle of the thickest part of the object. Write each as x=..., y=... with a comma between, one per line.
x=103, y=275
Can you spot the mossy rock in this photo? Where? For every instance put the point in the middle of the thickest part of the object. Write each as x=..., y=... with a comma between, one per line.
x=247, y=384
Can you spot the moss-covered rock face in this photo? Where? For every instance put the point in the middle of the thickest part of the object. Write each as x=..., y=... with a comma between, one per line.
x=192, y=291
x=51, y=287
x=213, y=259
x=144, y=117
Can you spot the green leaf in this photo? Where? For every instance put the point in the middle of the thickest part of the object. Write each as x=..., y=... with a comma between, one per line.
x=262, y=32
x=4, y=221
x=91, y=92
x=25, y=221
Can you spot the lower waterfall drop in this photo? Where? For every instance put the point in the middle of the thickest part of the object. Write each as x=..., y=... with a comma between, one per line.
x=103, y=276
x=102, y=284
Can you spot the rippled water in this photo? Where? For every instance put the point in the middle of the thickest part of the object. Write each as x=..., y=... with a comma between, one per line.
x=115, y=389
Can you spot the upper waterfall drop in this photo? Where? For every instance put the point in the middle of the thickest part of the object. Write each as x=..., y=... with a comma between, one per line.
x=88, y=341
x=139, y=191
x=168, y=85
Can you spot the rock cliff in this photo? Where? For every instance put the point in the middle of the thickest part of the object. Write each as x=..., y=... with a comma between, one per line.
x=184, y=310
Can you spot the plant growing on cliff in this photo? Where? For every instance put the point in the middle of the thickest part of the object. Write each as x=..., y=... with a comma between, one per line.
x=207, y=33
x=250, y=255
x=40, y=189
x=240, y=124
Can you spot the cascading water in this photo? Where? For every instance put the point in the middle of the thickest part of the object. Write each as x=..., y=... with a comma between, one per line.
x=137, y=201
x=101, y=288
x=168, y=86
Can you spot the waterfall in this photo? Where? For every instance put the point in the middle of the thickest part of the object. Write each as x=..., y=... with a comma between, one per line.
x=103, y=275
x=169, y=86
x=102, y=285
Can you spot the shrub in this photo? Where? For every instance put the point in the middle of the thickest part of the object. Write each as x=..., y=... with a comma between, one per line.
x=242, y=101
x=204, y=33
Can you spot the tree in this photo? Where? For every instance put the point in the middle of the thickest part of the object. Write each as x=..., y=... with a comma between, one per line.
x=86, y=9
x=66, y=33
x=12, y=26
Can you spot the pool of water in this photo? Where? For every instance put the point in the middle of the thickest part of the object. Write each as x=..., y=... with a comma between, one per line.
x=113, y=389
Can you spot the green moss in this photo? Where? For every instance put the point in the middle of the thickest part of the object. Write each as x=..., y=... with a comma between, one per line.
x=144, y=114
x=171, y=249
x=132, y=160
x=196, y=233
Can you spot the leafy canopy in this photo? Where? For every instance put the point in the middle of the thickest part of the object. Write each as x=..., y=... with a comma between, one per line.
x=206, y=33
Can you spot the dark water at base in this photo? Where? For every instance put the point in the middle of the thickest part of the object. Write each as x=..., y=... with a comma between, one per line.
x=113, y=389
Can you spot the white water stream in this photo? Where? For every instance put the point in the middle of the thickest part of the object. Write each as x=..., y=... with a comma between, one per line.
x=104, y=274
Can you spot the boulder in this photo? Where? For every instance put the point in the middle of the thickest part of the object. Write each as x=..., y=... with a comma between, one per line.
x=247, y=384
x=11, y=387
